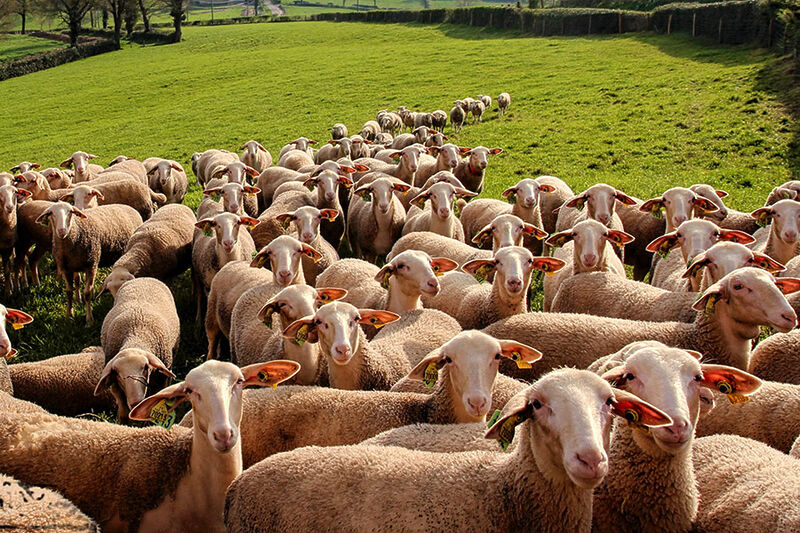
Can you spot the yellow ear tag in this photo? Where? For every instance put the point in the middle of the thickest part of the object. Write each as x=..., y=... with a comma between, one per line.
x=655, y=210
x=311, y=186
x=482, y=273
x=728, y=390
x=579, y=204
x=207, y=231
x=456, y=208
x=17, y=325
x=385, y=281
x=11, y=354
x=506, y=433
x=375, y=321
x=632, y=416
x=366, y=196
x=285, y=223
x=302, y=335
x=431, y=374
x=161, y=415
x=493, y=418
x=517, y=358
x=710, y=303
x=437, y=271
x=45, y=221
x=664, y=248
x=263, y=377
x=763, y=219
x=268, y=317
x=512, y=199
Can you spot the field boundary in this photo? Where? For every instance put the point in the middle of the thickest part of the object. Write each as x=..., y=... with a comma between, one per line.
x=87, y=47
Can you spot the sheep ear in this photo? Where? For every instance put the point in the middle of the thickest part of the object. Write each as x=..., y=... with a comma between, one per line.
x=105, y=380
x=261, y=259
x=345, y=182
x=266, y=312
x=311, y=252
x=479, y=268
x=401, y=187
x=14, y=169
x=464, y=150
x=376, y=318
x=767, y=263
x=285, y=219
x=214, y=192
x=346, y=170
x=151, y=408
x=440, y=265
x=709, y=299
x=663, y=244
x=92, y=156
x=269, y=374
x=395, y=155
x=250, y=171
x=419, y=200
x=22, y=194
x=638, y=412
x=219, y=173
x=43, y=219
x=615, y=376
x=559, y=239
x=736, y=236
x=361, y=168
x=495, y=151
x=206, y=226
x=97, y=194
x=653, y=206
x=522, y=354
x=364, y=192
x=17, y=318
x=503, y=423
x=427, y=370
x=510, y=194
x=302, y=330
x=156, y=364
x=311, y=183
x=762, y=215
x=694, y=353
x=329, y=214
x=736, y=384
x=533, y=231
x=312, y=141
x=69, y=198
x=249, y=222
x=548, y=265
x=433, y=150
x=384, y=274
x=328, y=295
x=543, y=187
x=700, y=261
x=483, y=237
x=620, y=238
x=624, y=198
x=66, y=163
x=78, y=213
x=464, y=193
x=578, y=202
x=250, y=190
x=788, y=285
x=705, y=204
x=721, y=194
x=333, y=141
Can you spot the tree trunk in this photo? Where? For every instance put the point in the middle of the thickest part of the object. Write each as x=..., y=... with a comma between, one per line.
x=23, y=14
x=105, y=19
x=145, y=16
x=176, y=23
x=74, y=28
x=117, y=27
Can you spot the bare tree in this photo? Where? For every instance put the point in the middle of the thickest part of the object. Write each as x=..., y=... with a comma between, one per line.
x=145, y=9
x=116, y=8
x=70, y=11
x=177, y=10
x=22, y=8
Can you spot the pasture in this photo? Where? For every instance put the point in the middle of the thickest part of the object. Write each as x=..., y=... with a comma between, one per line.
x=17, y=46
x=641, y=112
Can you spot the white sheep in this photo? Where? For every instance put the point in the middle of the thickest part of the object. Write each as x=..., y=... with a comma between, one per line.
x=17, y=319
x=33, y=240
x=441, y=217
x=457, y=117
x=125, y=192
x=477, y=109
x=303, y=144
x=255, y=156
x=295, y=160
x=84, y=171
x=10, y=196
x=167, y=177
x=28, y=508
x=445, y=157
x=438, y=245
x=600, y=201
x=724, y=217
x=405, y=169
x=775, y=357
x=503, y=103
x=206, y=164
x=57, y=178
x=779, y=241
x=472, y=170
x=338, y=131
x=439, y=120
x=124, y=165
x=376, y=217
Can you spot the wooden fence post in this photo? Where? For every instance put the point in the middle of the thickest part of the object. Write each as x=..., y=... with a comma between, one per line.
x=669, y=24
x=694, y=24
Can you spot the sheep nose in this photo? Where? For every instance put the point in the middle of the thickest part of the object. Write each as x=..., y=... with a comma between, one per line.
x=444, y=212
x=308, y=237
x=589, y=259
x=223, y=437
x=330, y=196
x=591, y=461
x=477, y=403
x=412, y=167
x=5, y=347
x=341, y=353
x=284, y=276
x=483, y=164
x=9, y=208
x=514, y=284
x=790, y=317
x=227, y=244
x=789, y=236
x=530, y=202
x=603, y=218
x=234, y=207
x=384, y=207
x=678, y=220
x=433, y=284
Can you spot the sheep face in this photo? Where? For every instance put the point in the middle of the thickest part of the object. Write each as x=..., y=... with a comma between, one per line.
x=381, y=193
x=118, y=277
x=725, y=257
x=696, y=236
x=59, y=216
x=283, y=257
x=679, y=204
x=57, y=178
x=17, y=319
x=80, y=161
x=307, y=220
x=128, y=374
x=600, y=200
x=506, y=230
x=408, y=157
x=714, y=196
x=479, y=156
x=447, y=154
x=31, y=181
x=413, y=272
x=10, y=195
x=526, y=192
x=215, y=390
x=83, y=197
x=328, y=183
x=250, y=155
x=297, y=301
x=226, y=228
x=784, y=216
x=590, y=238
x=162, y=171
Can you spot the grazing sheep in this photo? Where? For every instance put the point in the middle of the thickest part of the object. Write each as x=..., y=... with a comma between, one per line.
x=486, y=99
x=30, y=508
x=211, y=254
x=556, y=488
x=29, y=234
x=723, y=216
x=255, y=156
x=503, y=103
x=84, y=171
x=82, y=242
x=477, y=109
x=472, y=170
x=390, y=123
x=738, y=303
x=441, y=217
x=775, y=358
x=457, y=117
x=587, y=247
x=127, y=192
x=476, y=306
x=446, y=158
x=9, y=197
x=153, y=477
x=206, y=164
x=63, y=385
x=303, y=144
x=744, y=485
x=422, y=119
x=786, y=191
x=780, y=240
x=255, y=337
x=396, y=287
x=654, y=468
x=57, y=178
x=439, y=120
x=376, y=217
x=167, y=177
x=338, y=131
x=160, y=248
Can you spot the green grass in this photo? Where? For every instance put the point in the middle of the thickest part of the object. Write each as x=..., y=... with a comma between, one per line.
x=641, y=112
x=16, y=46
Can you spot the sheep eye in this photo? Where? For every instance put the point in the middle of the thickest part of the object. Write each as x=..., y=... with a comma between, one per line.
x=497, y=356
x=240, y=381
x=610, y=401
x=400, y=267
x=537, y=404
x=698, y=377
x=189, y=391
x=678, y=235
x=737, y=287
x=448, y=360
x=629, y=377
x=317, y=321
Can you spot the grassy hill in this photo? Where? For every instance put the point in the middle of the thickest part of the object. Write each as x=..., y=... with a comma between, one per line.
x=641, y=112
x=16, y=46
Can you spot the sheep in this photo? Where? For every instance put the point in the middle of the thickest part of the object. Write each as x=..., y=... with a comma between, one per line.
x=654, y=468
x=442, y=438
x=396, y=287
x=376, y=217
x=740, y=302
x=587, y=247
x=694, y=237
x=18, y=319
x=168, y=178
x=437, y=139
x=408, y=162
x=235, y=198
x=422, y=119
x=775, y=358
x=439, y=120
x=84, y=171
x=382, y=141
x=63, y=385
x=440, y=218
x=723, y=216
x=139, y=336
x=25, y=166
x=303, y=144
x=152, y=477
x=555, y=488
x=599, y=200
x=457, y=118
x=209, y=255
x=437, y=246
x=477, y=306
x=160, y=248
x=466, y=103
x=333, y=150
x=57, y=178
x=256, y=337
x=477, y=109
x=29, y=508
x=360, y=147
x=307, y=221
x=288, y=259
x=524, y=198
x=780, y=240
x=417, y=136
x=6, y=178
x=9, y=197
x=390, y=123
x=206, y=164
x=414, y=336
x=486, y=100
x=786, y=191
x=744, y=485
x=353, y=362
x=131, y=168
x=503, y=103
x=472, y=170
x=446, y=158
x=29, y=234
x=38, y=186
x=127, y=192
x=370, y=130
x=724, y=257
x=288, y=202
x=255, y=156
x=328, y=184
x=82, y=242
x=338, y=131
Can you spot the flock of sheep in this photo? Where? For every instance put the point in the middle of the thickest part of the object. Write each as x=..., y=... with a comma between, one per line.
x=421, y=393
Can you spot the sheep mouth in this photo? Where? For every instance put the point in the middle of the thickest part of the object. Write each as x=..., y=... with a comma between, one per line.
x=586, y=482
x=785, y=325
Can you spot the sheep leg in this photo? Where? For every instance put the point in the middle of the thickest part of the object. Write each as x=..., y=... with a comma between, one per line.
x=197, y=288
x=19, y=268
x=212, y=332
x=9, y=280
x=88, y=294
x=77, y=282
x=33, y=263
x=68, y=281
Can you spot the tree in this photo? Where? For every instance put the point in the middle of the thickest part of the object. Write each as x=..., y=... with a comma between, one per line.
x=22, y=8
x=177, y=10
x=6, y=11
x=70, y=11
x=145, y=8
x=116, y=9
x=130, y=11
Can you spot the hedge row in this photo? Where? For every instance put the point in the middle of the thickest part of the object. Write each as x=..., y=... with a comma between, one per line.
x=140, y=37
x=53, y=58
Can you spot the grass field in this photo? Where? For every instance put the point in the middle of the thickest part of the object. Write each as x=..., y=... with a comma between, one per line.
x=641, y=112
x=16, y=46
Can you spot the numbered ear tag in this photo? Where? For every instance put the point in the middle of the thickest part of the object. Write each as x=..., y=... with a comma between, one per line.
x=632, y=416
x=207, y=231
x=12, y=353
x=302, y=334
x=366, y=196
x=655, y=210
x=512, y=199
x=517, y=358
x=726, y=388
x=161, y=415
x=285, y=222
x=708, y=310
x=437, y=271
x=579, y=205
x=664, y=249
x=763, y=219
x=506, y=433
x=431, y=374
x=263, y=377
x=375, y=321
x=493, y=418
x=482, y=273
x=311, y=186
x=17, y=325
x=385, y=280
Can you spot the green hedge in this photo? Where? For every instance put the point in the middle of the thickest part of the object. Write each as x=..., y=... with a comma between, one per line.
x=53, y=58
